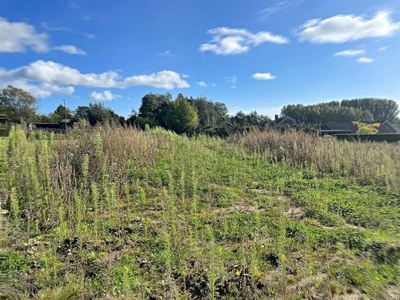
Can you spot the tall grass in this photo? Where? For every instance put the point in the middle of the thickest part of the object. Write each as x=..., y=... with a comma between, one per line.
x=365, y=162
x=119, y=212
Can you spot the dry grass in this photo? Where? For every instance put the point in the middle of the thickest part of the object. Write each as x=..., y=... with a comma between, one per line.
x=366, y=162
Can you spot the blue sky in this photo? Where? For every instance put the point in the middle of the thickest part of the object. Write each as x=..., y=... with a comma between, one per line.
x=251, y=55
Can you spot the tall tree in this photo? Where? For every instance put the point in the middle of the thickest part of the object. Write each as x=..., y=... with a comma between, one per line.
x=61, y=113
x=381, y=109
x=181, y=116
x=19, y=105
x=211, y=115
x=97, y=113
x=154, y=109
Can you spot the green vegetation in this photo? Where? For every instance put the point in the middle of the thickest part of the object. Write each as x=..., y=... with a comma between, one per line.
x=366, y=109
x=116, y=213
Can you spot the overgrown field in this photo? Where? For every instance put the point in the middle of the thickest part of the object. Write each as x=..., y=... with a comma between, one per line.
x=124, y=214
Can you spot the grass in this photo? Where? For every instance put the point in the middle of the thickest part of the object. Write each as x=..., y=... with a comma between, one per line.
x=124, y=214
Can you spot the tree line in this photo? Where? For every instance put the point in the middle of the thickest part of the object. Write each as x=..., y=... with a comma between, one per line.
x=197, y=115
x=365, y=110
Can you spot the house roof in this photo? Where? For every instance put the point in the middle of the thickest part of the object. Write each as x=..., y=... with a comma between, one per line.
x=387, y=127
x=339, y=127
x=285, y=120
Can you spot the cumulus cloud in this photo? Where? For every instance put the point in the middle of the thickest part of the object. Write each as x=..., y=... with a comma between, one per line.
x=202, y=83
x=350, y=53
x=365, y=60
x=231, y=41
x=344, y=28
x=164, y=79
x=51, y=74
x=18, y=36
x=263, y=76
x=70, y=49
x=103, y=96
x=43, y=90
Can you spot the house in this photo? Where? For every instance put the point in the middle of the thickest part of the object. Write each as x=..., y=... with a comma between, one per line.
x=333, y=128
x=52, y=127
x=4, y=125
x=387, y=127
x=285, y=121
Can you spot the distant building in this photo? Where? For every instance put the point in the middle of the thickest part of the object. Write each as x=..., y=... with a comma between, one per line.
x=52, y=127
x=387, y=127
x=333, y=128
x=285, y=121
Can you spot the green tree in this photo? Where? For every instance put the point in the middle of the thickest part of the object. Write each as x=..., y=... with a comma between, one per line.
x=181, y=116
x=381, y=109
x=97, y=113
x=60, y=113
x=18, y=104
x=211, y=114
x=153, y=110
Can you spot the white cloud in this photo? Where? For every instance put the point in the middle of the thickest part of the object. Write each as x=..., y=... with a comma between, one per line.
x=344, y=28
x=231, y=79
x=381, y=49
x=55, y=73
x=202, y=83
x=230, y=41
x=70, y=49
x=51, y=77
x=268, y=11
x=17, y=37
x=43, y=90
x=103, y=96
x=166, y=53
x=280, y=6
x=164, y=79
x=350, y=53
x=263, y=76
x=365, y=60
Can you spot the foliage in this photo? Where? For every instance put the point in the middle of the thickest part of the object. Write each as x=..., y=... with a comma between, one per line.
x=365, y=110
x=60, y=114
x=181, y=116
x=97, y=113
x=381, y=109
x=153, y=110
x=125, y=213
x=364, y=128
x=18, y=104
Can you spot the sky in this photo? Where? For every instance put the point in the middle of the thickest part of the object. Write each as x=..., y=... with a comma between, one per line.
x=251, y=55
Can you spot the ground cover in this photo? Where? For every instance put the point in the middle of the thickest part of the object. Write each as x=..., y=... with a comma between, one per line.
x=124, y=214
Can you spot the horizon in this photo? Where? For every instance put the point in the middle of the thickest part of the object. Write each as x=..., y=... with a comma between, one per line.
x=252, y=57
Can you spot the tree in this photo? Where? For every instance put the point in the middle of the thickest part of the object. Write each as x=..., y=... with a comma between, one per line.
x=18, y=104
x=61, y=113
x=97, y=113
x=381, y=109
x=181, y=116
x=154, y=109
x=211, y=115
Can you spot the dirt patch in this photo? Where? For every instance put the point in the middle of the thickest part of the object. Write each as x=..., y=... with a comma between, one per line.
x=295, y=213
